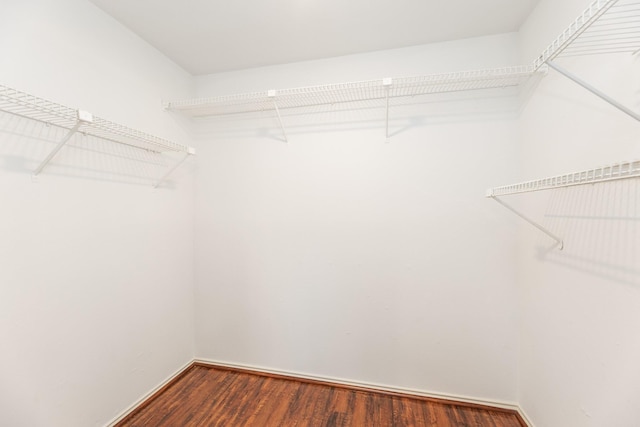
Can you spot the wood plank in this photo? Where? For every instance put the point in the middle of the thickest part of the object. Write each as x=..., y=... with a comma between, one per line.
x=214, y=396
x=356, y=387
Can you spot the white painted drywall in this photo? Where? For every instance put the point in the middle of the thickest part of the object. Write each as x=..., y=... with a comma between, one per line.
x=580, y=307
x=468, y=54
x=341, y=255
x=96, y=276
x=336, y=255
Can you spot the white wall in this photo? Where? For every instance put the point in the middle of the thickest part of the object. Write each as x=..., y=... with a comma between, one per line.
x=96, y=270
x=580, y=307
x=339, y=255
x=336, y=255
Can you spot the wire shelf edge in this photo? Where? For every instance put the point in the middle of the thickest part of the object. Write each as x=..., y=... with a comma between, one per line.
x=378, y=89
x=617, y=171
x=31, y=107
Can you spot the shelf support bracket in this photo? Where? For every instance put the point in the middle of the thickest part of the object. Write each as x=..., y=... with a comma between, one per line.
x=558, y=240
x=83, y=118
x=272, y=94
x=164, y=177
x=387, y=86
x=593, y=90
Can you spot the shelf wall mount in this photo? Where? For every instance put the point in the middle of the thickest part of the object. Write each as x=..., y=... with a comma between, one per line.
x=558, y=240
x=272, y=94
x=594, y=90
x=84, y=117
x=387, y=83
x=190, y=152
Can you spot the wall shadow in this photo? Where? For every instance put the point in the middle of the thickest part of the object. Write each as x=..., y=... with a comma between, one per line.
x=404, y=114
x=600, y=225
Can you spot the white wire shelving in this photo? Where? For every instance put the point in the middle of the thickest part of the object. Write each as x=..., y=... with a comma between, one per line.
x=624, y=170
x=384, y=91
x=606, y=26
x=352, y=92
x=41, y=110
x=615, y=172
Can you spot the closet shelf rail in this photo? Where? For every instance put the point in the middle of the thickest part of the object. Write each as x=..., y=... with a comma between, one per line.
x=371, y=90
x=41, y=110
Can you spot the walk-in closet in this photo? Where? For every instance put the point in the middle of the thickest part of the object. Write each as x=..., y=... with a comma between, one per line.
x=320, y=213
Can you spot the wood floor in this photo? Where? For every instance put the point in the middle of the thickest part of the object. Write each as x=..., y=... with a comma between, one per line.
x=207, y=396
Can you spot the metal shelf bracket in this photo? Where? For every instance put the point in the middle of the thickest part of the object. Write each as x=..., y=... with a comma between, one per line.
x=272, y=94
x=83, y=118
x=593, y=90
x=189, y=153
x=558, y=240
x=387, y=83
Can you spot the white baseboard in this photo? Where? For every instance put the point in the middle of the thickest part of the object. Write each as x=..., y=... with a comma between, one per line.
x=525, y=417
x=131, y=408
x=381, y=387
x=338, y=381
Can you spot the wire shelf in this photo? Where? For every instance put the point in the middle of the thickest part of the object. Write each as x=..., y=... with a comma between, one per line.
x=614, y=172
x=606, y=26
x=371, y=90
x=31, y=107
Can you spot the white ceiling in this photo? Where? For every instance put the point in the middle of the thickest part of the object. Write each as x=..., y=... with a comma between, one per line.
x=207, y=36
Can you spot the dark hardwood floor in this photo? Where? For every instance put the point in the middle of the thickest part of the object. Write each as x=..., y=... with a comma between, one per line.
x=216, y=396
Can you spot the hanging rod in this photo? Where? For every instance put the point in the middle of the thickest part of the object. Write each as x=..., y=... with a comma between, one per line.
x=28, y=106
